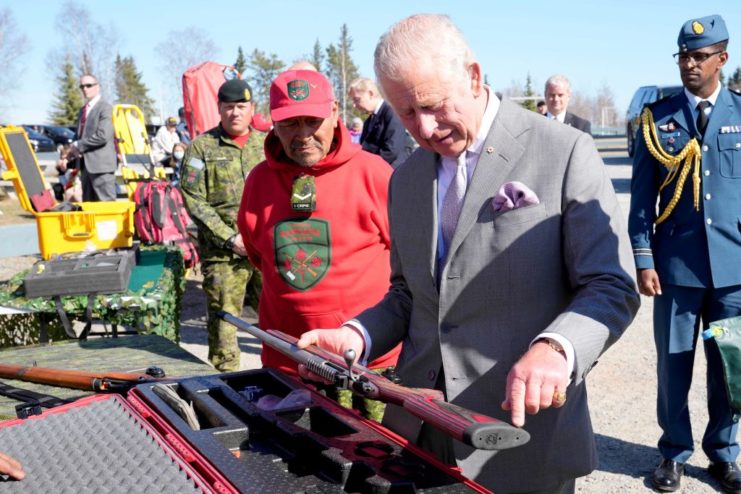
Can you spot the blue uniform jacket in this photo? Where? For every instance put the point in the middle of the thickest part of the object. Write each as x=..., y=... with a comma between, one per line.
x=691, y=248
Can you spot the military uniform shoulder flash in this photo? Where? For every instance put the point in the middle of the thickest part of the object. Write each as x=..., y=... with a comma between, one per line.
x=192, y=171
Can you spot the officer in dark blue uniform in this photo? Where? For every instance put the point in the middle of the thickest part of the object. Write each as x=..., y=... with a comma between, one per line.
x=688, y=253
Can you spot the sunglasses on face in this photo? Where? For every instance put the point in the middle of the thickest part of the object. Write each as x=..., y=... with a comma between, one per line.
x=88, y=86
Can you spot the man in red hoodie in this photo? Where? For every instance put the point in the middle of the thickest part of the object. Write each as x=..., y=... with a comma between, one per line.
x=314, y=217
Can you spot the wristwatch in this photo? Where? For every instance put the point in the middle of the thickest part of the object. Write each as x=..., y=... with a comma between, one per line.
x=554, y=345
x=229, y=244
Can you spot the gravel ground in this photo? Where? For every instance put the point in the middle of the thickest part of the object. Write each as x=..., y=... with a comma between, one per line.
x=622, y=387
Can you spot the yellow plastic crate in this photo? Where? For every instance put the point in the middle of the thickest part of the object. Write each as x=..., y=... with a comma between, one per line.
x=97, y=226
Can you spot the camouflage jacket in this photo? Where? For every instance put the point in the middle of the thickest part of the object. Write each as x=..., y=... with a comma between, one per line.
x=214, y=170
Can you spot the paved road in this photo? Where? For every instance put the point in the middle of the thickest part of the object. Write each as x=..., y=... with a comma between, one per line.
x=622, y=387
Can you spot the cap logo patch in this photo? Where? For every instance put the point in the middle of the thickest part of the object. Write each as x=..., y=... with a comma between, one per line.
x=698, y=28
x=298, y=89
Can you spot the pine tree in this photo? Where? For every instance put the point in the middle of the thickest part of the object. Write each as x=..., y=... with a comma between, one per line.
x=341, y=69
x=734, y=82
x=317, y=57
x=241, y=63
x=130, y=89
x=529, y=103
x=263, y=70
x=68, y=100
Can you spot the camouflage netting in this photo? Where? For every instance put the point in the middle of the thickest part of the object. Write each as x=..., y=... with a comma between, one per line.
x=154, y=309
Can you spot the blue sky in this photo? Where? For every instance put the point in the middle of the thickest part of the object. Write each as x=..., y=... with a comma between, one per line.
x=625, y=43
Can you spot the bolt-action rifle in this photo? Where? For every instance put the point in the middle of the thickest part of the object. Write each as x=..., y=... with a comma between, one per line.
x=100, y=382
x=429, y=405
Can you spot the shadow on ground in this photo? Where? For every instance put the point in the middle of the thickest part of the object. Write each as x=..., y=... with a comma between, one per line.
x=639, y=461
x=193, y=320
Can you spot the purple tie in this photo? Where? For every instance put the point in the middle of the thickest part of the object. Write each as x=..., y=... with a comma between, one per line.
x=453, y=201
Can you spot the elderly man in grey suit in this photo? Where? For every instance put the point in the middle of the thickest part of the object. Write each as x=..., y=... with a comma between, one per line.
x=95, y=144
x=511, y=266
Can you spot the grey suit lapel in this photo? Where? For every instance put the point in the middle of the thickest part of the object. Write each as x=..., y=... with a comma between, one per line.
x=499, y=155
x=425, y=209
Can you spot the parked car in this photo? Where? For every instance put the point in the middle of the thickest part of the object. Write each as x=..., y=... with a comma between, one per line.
x=645, y=95
x=60, y=135
x=40, y=143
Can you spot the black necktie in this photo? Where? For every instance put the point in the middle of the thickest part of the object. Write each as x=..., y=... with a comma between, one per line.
x=702, y=117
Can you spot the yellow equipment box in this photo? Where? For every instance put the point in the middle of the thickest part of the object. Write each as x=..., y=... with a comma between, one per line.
x=65, y=227
x=134, y=149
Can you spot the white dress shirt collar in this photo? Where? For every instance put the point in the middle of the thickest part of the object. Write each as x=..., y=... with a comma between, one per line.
x=561, y=117
x=92, y=102
x=694, y=100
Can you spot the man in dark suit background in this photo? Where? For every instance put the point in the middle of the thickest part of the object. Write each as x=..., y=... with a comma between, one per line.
x=383, y=134
x=95, y=144
x=557, y=96
x=511, y=269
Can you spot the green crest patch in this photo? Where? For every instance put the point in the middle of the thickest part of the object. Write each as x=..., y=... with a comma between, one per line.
x=298, y=89
x=302, y=251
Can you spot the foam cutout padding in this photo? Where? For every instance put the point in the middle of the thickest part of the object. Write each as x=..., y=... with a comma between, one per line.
x=96, y=446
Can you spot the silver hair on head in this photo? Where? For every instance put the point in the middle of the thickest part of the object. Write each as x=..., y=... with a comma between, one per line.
x=558, y=80
x=429, y=39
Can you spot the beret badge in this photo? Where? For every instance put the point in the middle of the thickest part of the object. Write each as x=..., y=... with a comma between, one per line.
x=698, y=28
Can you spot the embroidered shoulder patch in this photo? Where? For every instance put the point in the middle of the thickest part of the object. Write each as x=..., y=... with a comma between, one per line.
x=302, y=251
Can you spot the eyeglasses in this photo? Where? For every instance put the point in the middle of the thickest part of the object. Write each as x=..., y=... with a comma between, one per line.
x=88, y=86
x=697, y=57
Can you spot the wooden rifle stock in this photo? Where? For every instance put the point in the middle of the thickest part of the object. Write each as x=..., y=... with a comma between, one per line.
x=429, y=405
x=113, y=382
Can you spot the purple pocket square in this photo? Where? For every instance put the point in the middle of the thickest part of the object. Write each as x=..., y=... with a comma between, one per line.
x=513, y=195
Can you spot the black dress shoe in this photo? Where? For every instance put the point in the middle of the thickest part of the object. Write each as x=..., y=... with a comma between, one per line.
x=666, y=476
x=728, y=474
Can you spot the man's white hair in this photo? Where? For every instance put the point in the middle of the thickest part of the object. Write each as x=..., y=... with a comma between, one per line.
x=430, y=40
x=558, y=80
x=363, y=84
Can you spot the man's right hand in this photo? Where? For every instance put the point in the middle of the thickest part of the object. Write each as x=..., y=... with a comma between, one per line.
x=238, y=247
x=11, y=466
x=648, y=282
x=337, y=341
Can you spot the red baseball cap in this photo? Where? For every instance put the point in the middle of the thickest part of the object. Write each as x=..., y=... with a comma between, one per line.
x=300, y=93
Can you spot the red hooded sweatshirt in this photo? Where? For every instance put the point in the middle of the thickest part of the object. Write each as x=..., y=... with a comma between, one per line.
x=319, y=268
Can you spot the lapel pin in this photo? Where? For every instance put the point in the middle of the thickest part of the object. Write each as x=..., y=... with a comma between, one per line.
x=490, y=149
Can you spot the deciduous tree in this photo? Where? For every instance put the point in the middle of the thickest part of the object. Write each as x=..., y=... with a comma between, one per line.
x=179, y=51
x=88, y=46
x=13, y=46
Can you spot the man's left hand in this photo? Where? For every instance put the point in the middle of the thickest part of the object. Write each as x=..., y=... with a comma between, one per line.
x=536, y=382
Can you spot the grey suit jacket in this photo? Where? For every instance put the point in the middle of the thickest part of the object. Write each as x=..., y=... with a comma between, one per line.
x=561, y=266
x=96, y=142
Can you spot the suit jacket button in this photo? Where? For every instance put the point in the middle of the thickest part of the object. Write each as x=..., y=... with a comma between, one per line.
x=431, y=375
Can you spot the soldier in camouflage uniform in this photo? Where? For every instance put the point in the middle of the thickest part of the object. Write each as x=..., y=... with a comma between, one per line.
x=214, y=169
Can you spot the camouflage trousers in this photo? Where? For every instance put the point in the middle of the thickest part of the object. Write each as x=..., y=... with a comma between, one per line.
x=225, y=284
x=370, y=409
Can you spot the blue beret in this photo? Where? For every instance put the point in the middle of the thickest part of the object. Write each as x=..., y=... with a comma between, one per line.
x=699, y=33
